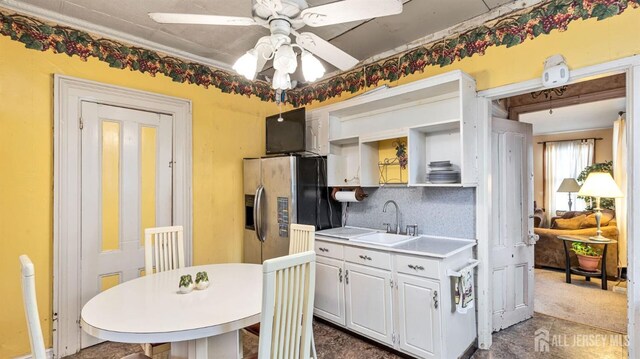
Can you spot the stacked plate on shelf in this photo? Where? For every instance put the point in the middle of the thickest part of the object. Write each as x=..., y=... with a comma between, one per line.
x=442, y=172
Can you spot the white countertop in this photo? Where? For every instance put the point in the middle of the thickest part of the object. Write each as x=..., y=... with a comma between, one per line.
x=431, y=246
x=149, y=309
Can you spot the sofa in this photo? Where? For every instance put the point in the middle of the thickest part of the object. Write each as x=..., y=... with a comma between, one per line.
x=549, y=251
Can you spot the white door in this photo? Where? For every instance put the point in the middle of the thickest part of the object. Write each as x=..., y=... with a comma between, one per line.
x=329, y=297
x=419, y=316
x=368, y=300
x=126, y=187
x=512, y=237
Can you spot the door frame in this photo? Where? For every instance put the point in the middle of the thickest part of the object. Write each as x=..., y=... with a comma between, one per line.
x=629, y=66
x=68, y=93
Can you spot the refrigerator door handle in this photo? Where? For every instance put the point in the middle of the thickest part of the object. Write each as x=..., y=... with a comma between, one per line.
x=257, y=212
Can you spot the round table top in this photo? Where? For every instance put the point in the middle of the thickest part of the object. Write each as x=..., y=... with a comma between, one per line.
x=150, y=309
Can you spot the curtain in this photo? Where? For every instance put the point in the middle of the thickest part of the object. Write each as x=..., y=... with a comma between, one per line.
x=620, y=175
x=565, y=159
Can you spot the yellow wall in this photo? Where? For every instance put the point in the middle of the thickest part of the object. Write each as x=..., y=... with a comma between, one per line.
x=225, y=129
x=603, y=149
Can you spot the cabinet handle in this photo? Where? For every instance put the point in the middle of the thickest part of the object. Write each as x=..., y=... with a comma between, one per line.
x=346, y=276
x=415, y=267
x=435, y=299
x=323, y=249
x=366, y=258
x=340, y=274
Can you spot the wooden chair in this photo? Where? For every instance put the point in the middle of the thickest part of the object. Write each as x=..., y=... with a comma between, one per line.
x=31, y=308
x=164, y=250
x=301, y=239
x=288, y=287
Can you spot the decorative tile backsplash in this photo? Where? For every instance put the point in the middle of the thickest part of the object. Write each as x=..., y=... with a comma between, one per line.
x=437, y=211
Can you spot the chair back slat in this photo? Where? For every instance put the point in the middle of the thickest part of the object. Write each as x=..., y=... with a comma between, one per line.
x=31, y=308
x=163, y=248
x=302, y=238
x=287, y=306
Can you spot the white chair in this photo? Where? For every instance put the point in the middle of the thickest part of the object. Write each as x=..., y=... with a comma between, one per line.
x=31, y=308
x=301, y=238
x=164, y=248
x=288, y=287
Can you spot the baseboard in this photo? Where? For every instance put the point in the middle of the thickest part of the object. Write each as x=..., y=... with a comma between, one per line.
x=49, y=353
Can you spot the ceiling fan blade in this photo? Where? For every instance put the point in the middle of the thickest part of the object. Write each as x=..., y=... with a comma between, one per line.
x=273, y=5
x=170, y=18
x=349, y=10
x=326, y=51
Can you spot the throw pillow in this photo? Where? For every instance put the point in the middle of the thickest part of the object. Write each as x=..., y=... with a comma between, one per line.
x=570, y=223
x=590, y=221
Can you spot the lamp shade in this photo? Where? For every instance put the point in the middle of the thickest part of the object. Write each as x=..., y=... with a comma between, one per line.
x=600, y=184
x=569, y=185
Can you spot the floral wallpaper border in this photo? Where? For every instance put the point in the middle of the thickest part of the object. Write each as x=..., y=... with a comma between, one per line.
x=508, y=31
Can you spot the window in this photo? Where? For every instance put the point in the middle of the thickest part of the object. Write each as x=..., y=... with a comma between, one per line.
x=565, y=159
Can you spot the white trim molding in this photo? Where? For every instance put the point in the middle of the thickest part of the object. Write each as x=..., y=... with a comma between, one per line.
x=629, y=66
x=68, y=93
x=48, y=352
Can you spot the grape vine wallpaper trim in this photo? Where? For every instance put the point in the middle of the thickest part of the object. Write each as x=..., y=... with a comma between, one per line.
x=508, y=31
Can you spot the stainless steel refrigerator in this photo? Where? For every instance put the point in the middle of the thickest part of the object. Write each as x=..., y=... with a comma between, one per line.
x=279, y=191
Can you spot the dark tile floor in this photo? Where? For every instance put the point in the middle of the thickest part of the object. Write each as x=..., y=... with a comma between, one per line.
x=566, y=340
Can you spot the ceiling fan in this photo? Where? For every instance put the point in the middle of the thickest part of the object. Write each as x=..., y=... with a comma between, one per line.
x=283, y=18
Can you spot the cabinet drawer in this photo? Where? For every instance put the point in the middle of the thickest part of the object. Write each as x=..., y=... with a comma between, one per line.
x=328, y=249
x=368, y=257
x=419, y=266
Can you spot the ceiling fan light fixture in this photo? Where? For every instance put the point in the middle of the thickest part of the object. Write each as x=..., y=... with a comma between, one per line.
x=285, y=59
x=247, y=64
x=281, y=81
x=312, y=68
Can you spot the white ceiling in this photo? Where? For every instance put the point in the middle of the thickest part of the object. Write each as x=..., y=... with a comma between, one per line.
x=224, y=44
x=587, y=116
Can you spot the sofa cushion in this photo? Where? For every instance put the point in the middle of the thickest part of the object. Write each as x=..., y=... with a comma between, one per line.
x=590, y=221
x=570, y=223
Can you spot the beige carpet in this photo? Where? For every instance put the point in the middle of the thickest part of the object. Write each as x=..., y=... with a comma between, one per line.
x=581, y=301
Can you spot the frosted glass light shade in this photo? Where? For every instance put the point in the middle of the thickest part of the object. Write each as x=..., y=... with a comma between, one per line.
x=312, y=68
x=600, y=184
x=281, y=80
x=569, y=185
x=285, y=59
x=247, y=64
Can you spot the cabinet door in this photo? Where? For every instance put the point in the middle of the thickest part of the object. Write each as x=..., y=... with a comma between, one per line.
x=329, y=298
x=368, y=298
x=419, y=316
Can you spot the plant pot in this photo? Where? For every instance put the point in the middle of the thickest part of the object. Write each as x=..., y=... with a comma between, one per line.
x=588, y=263
x=186, y=289
x=202, y=285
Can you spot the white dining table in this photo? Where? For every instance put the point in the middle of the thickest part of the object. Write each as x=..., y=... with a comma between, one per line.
x=201, y=324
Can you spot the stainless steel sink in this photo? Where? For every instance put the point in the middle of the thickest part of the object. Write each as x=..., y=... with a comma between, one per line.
x=383, y=239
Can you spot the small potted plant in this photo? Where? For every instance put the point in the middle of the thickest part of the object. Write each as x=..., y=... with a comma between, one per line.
x=186, y=284
x=202, y=280
x=588, y=256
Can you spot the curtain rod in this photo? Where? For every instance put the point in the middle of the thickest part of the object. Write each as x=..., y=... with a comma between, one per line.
x=577, y=139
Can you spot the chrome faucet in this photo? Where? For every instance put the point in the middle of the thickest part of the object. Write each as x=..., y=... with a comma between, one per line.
x=384, y=210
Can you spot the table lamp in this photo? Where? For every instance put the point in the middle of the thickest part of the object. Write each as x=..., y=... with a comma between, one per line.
x=569, y=185
x=599, y=184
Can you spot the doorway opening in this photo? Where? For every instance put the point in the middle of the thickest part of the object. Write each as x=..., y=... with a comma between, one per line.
x=577, y=129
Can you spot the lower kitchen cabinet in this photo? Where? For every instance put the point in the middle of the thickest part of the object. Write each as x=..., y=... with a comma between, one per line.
x=419, y=316
x=368, y=297
x=329, y=302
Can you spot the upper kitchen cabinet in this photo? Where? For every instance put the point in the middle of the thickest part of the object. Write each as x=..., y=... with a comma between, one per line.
x=433, y=119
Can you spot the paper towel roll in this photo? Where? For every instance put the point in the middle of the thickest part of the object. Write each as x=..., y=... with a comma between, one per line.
x=346, y=196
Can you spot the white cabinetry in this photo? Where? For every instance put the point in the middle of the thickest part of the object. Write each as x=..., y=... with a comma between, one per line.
x=436, y=115
x=403, y=301
x=368, y=297
x=418, y=316
x=329, y=301
x=317, y=133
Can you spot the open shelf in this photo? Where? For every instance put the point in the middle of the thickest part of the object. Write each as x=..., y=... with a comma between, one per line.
x=343, y=162
x=436, y=142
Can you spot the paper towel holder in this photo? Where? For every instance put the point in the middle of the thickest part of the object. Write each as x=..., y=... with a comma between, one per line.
x=360, y=194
